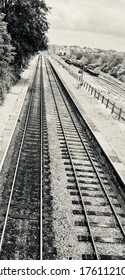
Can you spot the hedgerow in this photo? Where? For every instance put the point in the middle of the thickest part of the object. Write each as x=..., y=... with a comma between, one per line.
x=6, y=59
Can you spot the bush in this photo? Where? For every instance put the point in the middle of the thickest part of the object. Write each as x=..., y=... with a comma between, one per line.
x=6, y=58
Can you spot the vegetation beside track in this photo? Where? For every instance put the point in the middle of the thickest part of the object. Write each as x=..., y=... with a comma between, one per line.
x=23, y=27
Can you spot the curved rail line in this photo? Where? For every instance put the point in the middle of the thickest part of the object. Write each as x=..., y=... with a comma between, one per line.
x=114, y=83
x=25, y=187
x=110, y=86
x=90, y=176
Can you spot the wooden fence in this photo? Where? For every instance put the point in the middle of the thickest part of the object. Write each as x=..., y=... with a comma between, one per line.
x=106, y=101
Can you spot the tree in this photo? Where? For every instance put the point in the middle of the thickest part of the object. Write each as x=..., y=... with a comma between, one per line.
x=6, y=58
x=79, y=54
x=115, y=59
x=27, y=25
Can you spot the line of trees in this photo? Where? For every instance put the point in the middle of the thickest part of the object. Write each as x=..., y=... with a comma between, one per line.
x=111, y=61
x=6, y=58
x=23, y=27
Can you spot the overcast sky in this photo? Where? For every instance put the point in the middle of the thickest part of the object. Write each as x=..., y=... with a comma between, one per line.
x=92, y=23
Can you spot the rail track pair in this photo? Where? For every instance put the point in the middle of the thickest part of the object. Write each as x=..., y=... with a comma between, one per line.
x=97, y=206
x=94, y=195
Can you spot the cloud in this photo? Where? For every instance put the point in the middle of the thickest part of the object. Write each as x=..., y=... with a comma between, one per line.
x=103, y=17
x=92, y=40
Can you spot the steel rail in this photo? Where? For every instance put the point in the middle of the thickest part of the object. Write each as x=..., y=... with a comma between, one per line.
x=115, y=83
x=41, y=205
x=17, y=164
x=112, y=88
x=103, y=81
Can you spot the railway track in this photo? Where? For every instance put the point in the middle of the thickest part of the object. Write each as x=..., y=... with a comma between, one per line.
x=20, y=225
x=114, y=83
x=98, y=207
x=110, y=86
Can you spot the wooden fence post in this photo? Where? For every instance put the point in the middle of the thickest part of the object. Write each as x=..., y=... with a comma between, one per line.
x=107, y=103
x=102, y=98
x=113, y=106
x=120, y=112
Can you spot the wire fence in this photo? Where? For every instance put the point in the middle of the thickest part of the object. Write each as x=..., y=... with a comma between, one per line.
x=97, y=94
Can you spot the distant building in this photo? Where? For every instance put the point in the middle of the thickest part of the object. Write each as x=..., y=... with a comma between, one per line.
x=63, y=50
